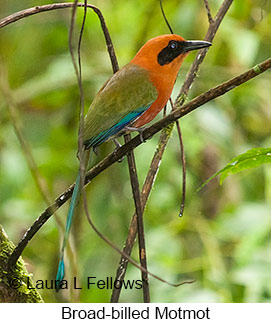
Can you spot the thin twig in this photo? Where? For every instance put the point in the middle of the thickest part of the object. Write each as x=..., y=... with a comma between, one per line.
x=183, y=162
x=136, y=141
x=183, y=168
x=165, y=17
x=140, y=225
x=147, y=186
x=211, y=32
x=208, y=10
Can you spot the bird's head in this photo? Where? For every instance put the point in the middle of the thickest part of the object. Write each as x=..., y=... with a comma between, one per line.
x=166, y=53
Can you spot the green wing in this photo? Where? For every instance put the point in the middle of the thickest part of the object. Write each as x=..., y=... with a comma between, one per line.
x=126, y=95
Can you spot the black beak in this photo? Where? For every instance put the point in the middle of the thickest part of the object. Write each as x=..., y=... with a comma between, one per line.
x=195, y=44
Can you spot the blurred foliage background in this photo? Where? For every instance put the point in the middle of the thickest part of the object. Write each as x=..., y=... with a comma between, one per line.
x=223, y=239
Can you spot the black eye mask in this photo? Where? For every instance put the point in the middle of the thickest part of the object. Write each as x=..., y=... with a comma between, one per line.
x=169, y=53
x=176, y=48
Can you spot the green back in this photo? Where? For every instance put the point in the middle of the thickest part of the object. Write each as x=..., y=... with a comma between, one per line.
x=128, y=90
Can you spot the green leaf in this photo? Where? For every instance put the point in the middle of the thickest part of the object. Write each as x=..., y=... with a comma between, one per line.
x=254, y=157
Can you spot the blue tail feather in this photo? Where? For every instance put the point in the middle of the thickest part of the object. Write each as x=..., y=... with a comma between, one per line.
x=74, y=200
x=60, y=274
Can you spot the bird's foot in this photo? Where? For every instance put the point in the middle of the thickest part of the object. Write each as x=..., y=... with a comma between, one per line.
x=139, y=130
x=118, y=145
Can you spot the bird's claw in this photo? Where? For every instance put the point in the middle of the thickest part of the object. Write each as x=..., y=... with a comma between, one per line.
x=139, y=130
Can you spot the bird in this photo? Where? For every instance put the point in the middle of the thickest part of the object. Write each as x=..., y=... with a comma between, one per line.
x=129, y=99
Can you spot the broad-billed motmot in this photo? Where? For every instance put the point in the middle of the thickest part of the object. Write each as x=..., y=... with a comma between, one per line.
x=131, y=97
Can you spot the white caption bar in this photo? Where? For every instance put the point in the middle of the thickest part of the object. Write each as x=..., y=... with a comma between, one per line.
x=97, y=312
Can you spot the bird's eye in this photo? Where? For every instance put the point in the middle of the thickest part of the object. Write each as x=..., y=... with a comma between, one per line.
x=173, y=45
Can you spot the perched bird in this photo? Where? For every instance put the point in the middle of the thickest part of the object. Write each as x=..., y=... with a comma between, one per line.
x=132, y=97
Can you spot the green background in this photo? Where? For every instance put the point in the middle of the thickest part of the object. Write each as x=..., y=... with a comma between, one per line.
x=223, y=239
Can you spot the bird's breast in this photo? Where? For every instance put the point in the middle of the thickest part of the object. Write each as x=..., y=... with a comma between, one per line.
x=164, y=85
